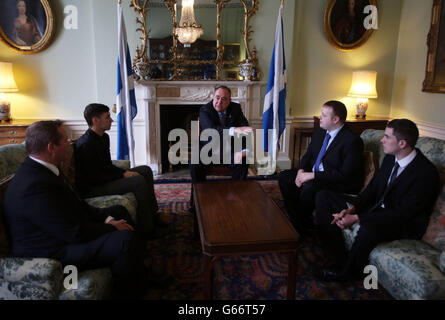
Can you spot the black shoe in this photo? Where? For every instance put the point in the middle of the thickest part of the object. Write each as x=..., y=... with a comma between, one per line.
x=329, y=275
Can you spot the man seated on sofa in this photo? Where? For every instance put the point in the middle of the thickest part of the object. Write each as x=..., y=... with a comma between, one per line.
x=395, y=205
x=333, y=161
x=97, y=176
x=47, y=219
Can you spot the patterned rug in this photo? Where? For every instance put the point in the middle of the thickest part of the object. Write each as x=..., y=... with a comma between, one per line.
x=260, y=276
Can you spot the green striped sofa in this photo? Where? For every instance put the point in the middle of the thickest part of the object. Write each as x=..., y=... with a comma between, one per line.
x=410, y=269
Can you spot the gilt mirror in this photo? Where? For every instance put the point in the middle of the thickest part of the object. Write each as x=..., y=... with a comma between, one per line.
x=222, y=44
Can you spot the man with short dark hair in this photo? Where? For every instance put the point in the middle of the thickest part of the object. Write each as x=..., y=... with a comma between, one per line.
x=223, y=114
x=47, y=219
x=395, y=205
x=96, y=175
x=332, y=161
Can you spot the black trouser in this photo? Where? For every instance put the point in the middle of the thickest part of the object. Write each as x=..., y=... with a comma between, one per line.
x=369, y=235
x=122, y=251
x=299, y=202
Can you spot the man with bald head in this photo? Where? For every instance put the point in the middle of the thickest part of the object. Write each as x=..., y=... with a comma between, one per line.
x=222, y=114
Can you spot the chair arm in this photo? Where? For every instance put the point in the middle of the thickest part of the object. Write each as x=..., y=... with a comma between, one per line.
x=123, y=164
x=33, y=270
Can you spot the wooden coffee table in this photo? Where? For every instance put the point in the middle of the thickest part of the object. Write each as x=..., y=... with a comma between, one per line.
x=238, y=217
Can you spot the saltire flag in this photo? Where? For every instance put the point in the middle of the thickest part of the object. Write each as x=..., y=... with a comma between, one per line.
x=274, y=117
x=126, y=99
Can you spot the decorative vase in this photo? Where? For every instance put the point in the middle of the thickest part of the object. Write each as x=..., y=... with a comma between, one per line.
x=246, y=70
x=5, y=110
x=141, y=68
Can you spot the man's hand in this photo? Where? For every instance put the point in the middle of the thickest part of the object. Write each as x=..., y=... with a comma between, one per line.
x=129, y=174
x=120, y=224
x=238, y=156
x=302, y=177
x=345, y=218
x=243, y=131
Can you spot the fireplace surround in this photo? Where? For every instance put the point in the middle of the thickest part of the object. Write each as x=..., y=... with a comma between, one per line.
x=153, y=96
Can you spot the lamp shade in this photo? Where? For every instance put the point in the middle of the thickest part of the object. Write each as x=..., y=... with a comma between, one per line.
x=363, y=84
x=7, y=82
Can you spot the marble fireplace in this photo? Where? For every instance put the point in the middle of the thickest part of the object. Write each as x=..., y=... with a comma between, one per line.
x=153, y=96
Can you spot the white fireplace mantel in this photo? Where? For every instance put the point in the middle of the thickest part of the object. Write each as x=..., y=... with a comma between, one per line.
x=151, y=96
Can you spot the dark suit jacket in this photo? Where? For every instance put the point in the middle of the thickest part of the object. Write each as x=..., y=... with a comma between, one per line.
x=409, y=201
x=342, y=162
x=93, y=161
x=209, y=118
x=44, y=214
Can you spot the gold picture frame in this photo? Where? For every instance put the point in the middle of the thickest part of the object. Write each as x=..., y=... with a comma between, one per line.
x=344, y=24
x=435, y=63
x=26, y=26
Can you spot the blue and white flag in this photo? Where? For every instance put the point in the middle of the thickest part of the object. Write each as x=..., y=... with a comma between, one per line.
x=274, y=118
x=126, y=100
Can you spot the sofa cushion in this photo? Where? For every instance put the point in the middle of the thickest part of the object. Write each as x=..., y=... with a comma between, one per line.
x=369, y=168
x=127, y=200
x=371, y=140
x=68, y=166
x=435, y=232
x=4, y=235
x=92, y=285
x=434, y=150
x=23, y=290
x=11, y=157
x=37, y=278
x=408, y=269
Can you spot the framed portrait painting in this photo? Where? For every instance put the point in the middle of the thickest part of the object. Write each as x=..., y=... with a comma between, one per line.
x=435, y=64
x=27, y=26
x=345, y=23
x=231, y=52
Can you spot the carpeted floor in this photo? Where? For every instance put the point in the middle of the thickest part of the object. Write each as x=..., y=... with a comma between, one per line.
x=261, y=276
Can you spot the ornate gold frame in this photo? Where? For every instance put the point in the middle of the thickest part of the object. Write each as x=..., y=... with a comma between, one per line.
x=43, y=43
x=140, y=6
x=430, y=84
x=330, y=34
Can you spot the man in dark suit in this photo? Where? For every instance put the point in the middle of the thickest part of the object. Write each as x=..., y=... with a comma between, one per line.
x=47, y=219
x=96, y=175
x=222, y=114
x=395, y=205
x=332, y=161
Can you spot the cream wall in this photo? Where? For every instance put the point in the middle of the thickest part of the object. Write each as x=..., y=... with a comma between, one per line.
x=321, y=72
x=408, y=100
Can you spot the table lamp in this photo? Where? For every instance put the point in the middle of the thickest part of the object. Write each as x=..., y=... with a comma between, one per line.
x=7, y=84
x=362, y=88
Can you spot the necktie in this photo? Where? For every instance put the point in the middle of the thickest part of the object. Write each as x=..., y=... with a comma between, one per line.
x=388, y=186
x=222, y=119
x=393, y=174
x=322, y=152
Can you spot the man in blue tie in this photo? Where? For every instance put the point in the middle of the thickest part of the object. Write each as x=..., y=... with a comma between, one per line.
x=333, y=161
x=396, y=204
